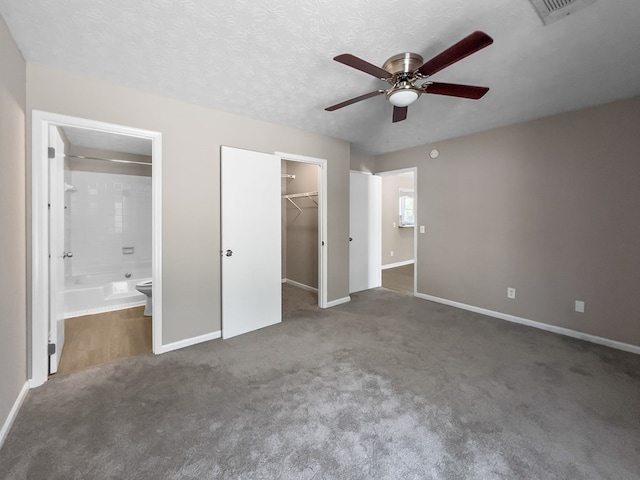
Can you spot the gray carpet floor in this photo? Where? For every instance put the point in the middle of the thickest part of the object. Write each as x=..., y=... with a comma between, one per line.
x=385, y=387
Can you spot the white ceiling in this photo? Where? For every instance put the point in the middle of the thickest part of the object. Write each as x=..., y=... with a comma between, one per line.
x=273, y=60
x=83, y=137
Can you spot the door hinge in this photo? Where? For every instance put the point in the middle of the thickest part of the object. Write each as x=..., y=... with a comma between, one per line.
x=52, y=349
x=51, y=152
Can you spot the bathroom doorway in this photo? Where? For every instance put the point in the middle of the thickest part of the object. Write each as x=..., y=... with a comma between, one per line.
x=96, y=233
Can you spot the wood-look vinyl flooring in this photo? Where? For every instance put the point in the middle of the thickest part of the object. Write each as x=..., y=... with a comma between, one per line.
x=399, y=279
x=102, y=338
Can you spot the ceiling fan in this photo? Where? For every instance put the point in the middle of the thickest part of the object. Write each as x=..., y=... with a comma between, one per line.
x=404, y=70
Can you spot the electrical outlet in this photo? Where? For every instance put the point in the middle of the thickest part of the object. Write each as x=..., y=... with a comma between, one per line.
x=511, y=292
x=392, y=253
x=394, y=224
x=579, y=306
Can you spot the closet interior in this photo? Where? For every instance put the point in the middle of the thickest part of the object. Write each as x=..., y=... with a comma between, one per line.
x=300, y=224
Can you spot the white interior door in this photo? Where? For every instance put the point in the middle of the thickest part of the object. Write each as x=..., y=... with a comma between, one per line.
x=57, y=256
x=251, y=236
x=364, y=227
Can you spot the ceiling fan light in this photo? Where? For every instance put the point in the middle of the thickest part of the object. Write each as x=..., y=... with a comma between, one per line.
x=403, y=97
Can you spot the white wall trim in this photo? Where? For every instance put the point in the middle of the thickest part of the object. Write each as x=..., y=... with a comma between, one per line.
x=40, y=243
x=13, y=413
x=626, y=347
x=156, y=241
x=398, y=264
x=339, y=301
x=300, y=285
x=187, y=342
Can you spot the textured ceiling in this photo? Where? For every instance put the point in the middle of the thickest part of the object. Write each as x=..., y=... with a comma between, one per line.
x=272, y=60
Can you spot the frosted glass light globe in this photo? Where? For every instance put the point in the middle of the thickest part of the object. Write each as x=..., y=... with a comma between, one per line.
x=402, y=98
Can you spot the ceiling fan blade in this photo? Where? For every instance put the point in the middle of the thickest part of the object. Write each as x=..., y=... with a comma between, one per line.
x=362, y=65
x=399, y=114
x=353, y=100
x=465, y=47
x=455, y=90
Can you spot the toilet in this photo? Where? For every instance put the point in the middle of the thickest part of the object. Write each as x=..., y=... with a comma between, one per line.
x=145, y=287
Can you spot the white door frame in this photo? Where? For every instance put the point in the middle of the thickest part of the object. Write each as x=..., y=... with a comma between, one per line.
x=413, y=170
x=39, y=234
x=322, y=221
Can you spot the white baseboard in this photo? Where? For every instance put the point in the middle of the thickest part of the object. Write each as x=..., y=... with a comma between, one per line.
x=627, y=347
x=187, y=342
x=339, y=301
x=397, y=264
x=13, y=413
x=300, y=285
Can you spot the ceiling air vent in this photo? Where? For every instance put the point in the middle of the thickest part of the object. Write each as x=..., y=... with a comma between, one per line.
x=552, y=10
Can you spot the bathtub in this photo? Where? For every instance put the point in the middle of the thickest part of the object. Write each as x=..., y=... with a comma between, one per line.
x=102, y=292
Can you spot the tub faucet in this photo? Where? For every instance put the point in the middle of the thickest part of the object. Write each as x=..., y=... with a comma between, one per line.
x=127, y=275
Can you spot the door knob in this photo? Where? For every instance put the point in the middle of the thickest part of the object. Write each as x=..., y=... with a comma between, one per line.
x=229, y=253
x=67, y=254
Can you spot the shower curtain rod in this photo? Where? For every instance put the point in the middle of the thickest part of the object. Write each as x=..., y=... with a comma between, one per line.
x=115, y=160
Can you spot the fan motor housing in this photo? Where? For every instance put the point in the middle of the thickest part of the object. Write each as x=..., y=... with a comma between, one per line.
x=403, y=63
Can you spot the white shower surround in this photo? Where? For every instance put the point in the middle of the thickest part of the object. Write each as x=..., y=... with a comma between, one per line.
x=107, y=213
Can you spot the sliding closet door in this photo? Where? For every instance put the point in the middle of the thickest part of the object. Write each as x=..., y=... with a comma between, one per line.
x=251, y=236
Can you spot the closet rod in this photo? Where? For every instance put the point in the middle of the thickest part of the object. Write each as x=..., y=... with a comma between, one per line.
x=115, y=160
x=302, y=194
x=290, y=196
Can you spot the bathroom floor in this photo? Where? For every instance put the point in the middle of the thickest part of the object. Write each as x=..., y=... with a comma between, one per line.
x=103, y=338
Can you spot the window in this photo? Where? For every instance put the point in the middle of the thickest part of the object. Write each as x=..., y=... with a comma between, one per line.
x=407, y=209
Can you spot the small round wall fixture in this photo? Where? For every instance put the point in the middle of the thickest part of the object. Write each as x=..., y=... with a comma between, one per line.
x=434, y=153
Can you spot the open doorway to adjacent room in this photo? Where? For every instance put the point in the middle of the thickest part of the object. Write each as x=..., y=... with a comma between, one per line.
x=96, y=239
x=398, y=230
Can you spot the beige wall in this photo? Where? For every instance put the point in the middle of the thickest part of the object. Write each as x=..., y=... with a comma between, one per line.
x=549, y=207
x=302, y=227
x=192, y=136
x=13, y=302
x=361, y=162
x=396, y=239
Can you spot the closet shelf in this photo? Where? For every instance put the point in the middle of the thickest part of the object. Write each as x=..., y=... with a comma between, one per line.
x=308, y=195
